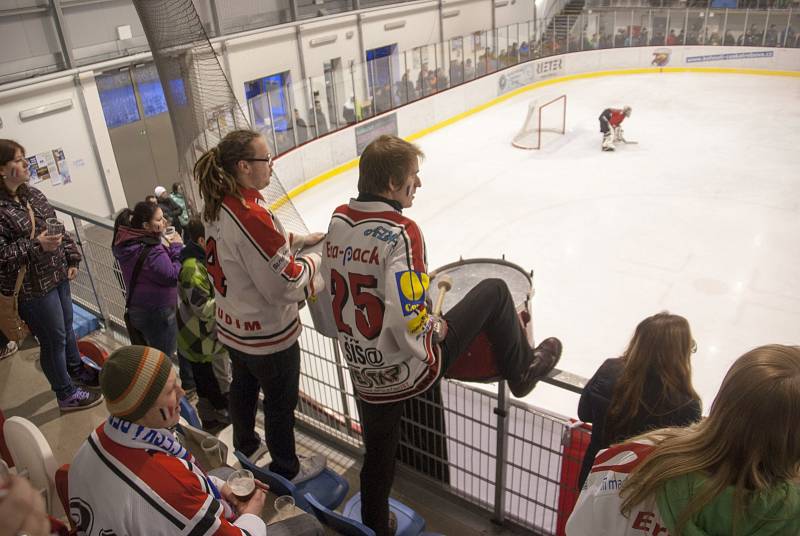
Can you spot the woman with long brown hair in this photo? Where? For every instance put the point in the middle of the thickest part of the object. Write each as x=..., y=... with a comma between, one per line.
x=649, y=387
x=258, y=279
x=737, y=472
x=50, y=262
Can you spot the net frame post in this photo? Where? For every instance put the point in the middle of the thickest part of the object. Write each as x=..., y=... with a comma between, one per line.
x=539, y=119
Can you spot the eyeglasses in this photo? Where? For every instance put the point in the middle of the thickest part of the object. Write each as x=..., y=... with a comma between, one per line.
x=694, y=346
x=268, y=159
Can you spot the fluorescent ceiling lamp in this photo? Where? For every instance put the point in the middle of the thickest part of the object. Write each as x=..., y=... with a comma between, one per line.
x=394, y=25
x=32, y=113
x=450, y=14
x=319, y=41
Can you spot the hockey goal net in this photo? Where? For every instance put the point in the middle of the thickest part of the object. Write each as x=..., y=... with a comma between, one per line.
x=542, y=120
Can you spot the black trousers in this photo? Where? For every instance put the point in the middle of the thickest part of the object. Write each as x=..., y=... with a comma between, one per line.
x=207, y=385
x=278, y=375
x=488, y=308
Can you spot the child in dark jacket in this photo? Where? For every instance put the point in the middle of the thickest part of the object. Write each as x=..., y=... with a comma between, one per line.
x=197, y=340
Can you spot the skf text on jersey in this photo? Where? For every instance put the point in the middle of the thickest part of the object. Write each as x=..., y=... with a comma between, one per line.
x=363, y=255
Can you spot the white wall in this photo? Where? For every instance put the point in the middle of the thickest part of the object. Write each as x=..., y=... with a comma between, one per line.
x=473, y=16
x=421, y=26
x=513, y=12
x=67, y=130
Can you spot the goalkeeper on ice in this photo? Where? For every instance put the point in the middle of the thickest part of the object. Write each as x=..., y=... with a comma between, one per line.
x=611, y=126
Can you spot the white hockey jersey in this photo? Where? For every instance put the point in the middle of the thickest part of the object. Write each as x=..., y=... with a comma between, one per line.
x=597, y=512
x=374, y=264
x=258, y=280
x=115, y=490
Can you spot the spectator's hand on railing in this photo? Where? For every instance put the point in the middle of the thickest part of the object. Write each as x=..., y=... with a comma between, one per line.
x=48, y=242
x=22, y=509
x=72, y=272
x=312, y=239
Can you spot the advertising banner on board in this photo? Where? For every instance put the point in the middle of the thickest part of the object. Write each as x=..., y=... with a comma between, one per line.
x=527, y=73
x=367, y=132
x=731, y=56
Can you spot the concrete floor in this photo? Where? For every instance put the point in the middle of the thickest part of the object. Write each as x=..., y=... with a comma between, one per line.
x=24, y=391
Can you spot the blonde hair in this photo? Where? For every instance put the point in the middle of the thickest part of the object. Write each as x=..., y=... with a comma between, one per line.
x=385, y=164
x=661, y=348
x=215, y=171
x=750, y=440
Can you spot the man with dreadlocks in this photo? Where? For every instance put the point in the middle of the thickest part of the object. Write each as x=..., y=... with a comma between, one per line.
x=258, y=282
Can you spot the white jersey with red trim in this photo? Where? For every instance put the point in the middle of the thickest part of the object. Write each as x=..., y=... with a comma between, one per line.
x=597, y=512
x=374, y=263
x=258, y=280
x=115, y=490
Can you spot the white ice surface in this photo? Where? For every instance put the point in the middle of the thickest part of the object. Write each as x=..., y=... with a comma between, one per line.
x=702, y=218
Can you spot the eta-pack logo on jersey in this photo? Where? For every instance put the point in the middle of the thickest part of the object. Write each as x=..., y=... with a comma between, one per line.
x=412, y=286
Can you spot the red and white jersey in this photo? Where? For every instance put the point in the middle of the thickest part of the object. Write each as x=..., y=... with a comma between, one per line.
x=257, y=278
x=118, y=490
x=597, y=512
x=617, y=117
x=374, y=264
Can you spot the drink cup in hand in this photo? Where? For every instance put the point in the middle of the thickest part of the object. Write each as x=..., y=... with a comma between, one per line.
x=284, y=506
x=169, y=232
x=54, y=227
x=242, y=484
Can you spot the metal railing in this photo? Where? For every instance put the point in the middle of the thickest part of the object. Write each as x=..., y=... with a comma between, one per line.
x=501, y=457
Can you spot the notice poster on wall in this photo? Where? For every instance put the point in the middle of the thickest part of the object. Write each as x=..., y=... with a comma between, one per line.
x=49, y=166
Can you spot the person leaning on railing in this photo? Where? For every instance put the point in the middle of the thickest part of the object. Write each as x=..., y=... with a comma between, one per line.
x=258, y=281
x=649, y=387
x=51, y=261
x=737, y=472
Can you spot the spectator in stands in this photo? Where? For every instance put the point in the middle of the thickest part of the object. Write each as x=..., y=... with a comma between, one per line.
x=154, y=297
x=169, y=208
x=151, y=199
x=132, y=475
x=735, y=472
x=469, y=69
x=411, y=347
x=197, y=340
x=317, y=118
x=50, y=263
x=649, y=387
x=178, y=196
x=259, y=280
x=302, y=127
x=349, y=110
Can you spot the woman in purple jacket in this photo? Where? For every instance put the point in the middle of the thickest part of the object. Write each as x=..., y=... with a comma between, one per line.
x=51, y=262
x=155, y=296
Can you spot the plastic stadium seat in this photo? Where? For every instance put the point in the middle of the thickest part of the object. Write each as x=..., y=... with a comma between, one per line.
x=32, y=454
x=409, y=523
x=4, y=453
x=336, y=521
x=92, y=351
x=329, y=488
x=189, y=413
x=83, y=322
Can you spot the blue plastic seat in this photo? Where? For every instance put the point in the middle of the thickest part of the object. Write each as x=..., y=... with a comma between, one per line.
x=409, y=523
x=336, y=521
x=189, y=413
x=328, y=488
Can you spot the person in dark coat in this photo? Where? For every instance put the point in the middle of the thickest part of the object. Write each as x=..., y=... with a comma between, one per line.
x=649, y=387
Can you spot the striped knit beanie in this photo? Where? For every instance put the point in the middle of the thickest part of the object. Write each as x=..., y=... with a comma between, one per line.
x=132, y=379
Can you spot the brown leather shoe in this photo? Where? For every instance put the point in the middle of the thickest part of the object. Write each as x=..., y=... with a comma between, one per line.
x=545, y=358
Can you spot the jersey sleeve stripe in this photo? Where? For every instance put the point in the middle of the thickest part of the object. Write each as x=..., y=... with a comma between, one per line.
x=222, y=335
x=257, y=226
x=211, y=513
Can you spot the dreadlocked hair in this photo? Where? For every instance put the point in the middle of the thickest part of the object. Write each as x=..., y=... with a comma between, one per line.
x=215, y=171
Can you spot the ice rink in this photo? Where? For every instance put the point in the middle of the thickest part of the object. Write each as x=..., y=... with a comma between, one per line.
x=701, y=218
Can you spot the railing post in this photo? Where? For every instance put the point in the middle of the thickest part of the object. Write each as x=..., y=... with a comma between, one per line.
x=342, y=388
x=500, y=462
x=78, y=226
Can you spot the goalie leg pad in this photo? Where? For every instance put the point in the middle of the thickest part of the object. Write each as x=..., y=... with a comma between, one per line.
x=608, y=141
